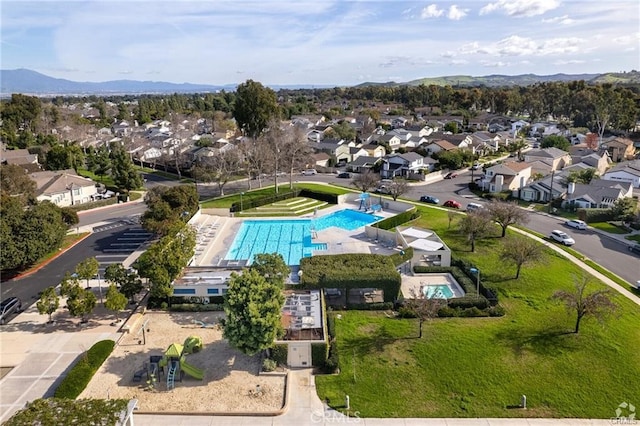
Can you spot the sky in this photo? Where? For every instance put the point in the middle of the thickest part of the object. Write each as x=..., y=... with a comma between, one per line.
x=316, y=42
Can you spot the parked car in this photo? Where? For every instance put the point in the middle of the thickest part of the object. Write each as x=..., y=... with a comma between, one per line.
x=562, y=237
x=429, y=199
x=309, y=172
x=452, y=203
x=474, y=206
x=383, y=189
x=577, y=224
x=8, y=307
x=475, y=166
x=344, y=175
x=634, y=248
x=451, y=175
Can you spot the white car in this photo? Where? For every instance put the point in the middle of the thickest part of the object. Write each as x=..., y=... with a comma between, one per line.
x=577, y=224
x=309, y=172
x=562, y=237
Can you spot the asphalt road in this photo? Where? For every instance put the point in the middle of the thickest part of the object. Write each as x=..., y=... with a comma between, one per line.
x=98, y=244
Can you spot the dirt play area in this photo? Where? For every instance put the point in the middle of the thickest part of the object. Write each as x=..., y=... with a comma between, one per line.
x=230, y=377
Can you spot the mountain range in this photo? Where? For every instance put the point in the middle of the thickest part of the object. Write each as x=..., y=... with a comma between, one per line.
x=34, y=83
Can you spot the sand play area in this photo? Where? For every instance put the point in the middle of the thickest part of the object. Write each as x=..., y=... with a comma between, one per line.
x=230, y=377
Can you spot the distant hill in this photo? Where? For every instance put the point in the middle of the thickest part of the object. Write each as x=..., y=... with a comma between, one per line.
x=32, y=82
x=496, y=80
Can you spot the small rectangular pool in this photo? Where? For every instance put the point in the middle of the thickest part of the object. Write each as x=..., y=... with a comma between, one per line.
x=437, y=291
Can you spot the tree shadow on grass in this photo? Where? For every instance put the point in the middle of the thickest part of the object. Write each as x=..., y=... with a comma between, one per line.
x=374, y=342
x=554, y=340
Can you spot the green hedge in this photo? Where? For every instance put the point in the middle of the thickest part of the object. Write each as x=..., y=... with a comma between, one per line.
x=80, y=375
x=397, y=220
x=196, y=307
x=384, y=306
x=93, y=204
x=250, y=203
x=595, y=215
x=280, y=353
x=399, y=258
x=332, y=364
x=348, y=271
x=319, y=354
x=319, y=195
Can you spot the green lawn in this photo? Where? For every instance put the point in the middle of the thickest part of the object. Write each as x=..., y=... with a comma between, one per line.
x=609, y=227
x=227, y=201
x=480, y=367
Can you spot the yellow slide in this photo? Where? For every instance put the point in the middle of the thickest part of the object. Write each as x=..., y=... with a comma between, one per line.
x=192, y=371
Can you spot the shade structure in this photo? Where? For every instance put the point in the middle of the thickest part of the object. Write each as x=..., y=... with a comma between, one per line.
x=416, y=233
x=426, y=245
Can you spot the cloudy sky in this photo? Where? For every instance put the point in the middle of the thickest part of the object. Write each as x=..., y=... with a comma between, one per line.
x=316, y=42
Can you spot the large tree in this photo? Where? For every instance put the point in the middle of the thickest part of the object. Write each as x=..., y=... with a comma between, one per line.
x=555, y=141
x=253, y=307
x=125, y=176
x=65, y=156
x=81, y=303
x=169, y=207
x=14, y=180
x=521, y=251
x=129, y=282
x=506, y=214
x=475, y=226
x=397, y=188
x=254, y=108
x=271, y=266
x=116, y=301
x=87, y=269
x=624, y=209
x=597, y=304
x=220, y=168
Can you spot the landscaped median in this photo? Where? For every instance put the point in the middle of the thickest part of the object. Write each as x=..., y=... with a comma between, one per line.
x=481, y=367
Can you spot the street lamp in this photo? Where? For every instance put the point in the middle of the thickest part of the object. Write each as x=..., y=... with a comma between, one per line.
x=476, y=272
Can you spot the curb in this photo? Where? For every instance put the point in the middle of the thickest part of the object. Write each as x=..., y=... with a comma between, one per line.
x=51, y=259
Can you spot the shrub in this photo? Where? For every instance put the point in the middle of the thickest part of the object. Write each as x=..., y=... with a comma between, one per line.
x=269, y=365
x=447, y=312
x=332, y=364
x=80, y=375
x=197, y=307
x=399, y=219
x=319, y=354
x=279, y=354
x=496, y=311
x=384, y=306
x=404, y=312
x=331, y=325
x=595, y=215
x=473, y=312
x=468, y=302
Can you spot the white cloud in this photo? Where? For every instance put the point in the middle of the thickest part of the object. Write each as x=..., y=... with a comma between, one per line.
x=562, y=20
x=570, y=62
x=556, y=46
x=515, y=46
x=523, y=46
x=456, y=13
x=496, y=64
x=520, y=8
x=448, y=54
x=431, y=11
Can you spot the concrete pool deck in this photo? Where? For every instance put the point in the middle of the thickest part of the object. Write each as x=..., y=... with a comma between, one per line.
x=215, y=235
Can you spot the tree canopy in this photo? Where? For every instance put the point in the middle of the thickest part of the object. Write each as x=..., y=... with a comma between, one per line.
x=253, y=308
x=254, y=107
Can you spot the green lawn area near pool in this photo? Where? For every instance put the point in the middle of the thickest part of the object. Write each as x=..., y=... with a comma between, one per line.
x=480, y=367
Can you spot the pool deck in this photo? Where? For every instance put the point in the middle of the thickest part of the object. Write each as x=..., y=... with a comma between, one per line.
x=215, y=235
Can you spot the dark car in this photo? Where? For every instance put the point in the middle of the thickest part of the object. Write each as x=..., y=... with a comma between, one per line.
x=451, y=175
x=344, y=175
x=452, y=203
x=635, y=248
x=429, y=199
x=9, y=306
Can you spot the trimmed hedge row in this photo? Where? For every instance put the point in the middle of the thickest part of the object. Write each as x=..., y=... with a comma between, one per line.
x=384, y=306
x=250, y=203
x=319, y=195
x=595, y=215
x=80, y=375
x=399, y=258
x=399, y=219
x=319, y=354
x=351, y=270
x=279, y=353
x=196, y=307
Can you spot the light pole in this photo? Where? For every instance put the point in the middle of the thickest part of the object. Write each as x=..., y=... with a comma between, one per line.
x=476, y=272
x=241, y=194
x=100, y=286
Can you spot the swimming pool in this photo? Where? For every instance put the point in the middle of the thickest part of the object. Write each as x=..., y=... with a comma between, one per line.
x=438, y=291
x=290, y=237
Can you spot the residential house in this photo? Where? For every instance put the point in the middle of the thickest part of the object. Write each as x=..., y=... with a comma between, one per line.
x=392, y=139
x=398, y=122
x=394, y=165
x=598, y=160
x=516, y=126
x=542, y=130
x=121, y=129
x=20, y=157
x=619, y=148
x=439, y=145
x=419, y=130
x=551, y=187
x=460, y=140
x=337, y=148
x=321, y=159
x=510, y=176
x=628, y=172
x=484, y=142
x=362, y=164
x=374, y=150
x=356, y=151
x=597, y=194
x=63, y=187
x=555, y=157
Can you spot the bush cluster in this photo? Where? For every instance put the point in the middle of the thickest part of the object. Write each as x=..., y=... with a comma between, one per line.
x=269, y=365
x=384, y=306
x=197, y=307
x=399, y=219
x=595, y=215
x=332, y=364
x=250, y=203
x=279, y=353
x=319, y=195
x=80, y=375
x=319, y=354
x=354, y=270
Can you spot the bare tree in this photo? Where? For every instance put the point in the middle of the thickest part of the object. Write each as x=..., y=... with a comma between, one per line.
x=397, y=188
x=275, y=139
x=506, y=213
x=597, y=304
x=254, y=159
x=476, y=225
x=296, y=150
x=520, y=251
x=219, y=168
x=366, y=180
x=424, y=309
x=451, y=215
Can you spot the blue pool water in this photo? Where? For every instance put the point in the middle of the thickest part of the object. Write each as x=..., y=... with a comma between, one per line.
x=290, y=238
x=440, y=291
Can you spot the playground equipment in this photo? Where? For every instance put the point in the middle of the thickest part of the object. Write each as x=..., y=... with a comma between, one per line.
x=177, y=366
x=192, y=344
x=365, y=201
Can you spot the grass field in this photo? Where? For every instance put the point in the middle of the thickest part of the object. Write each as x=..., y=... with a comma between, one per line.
x=480, y=367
